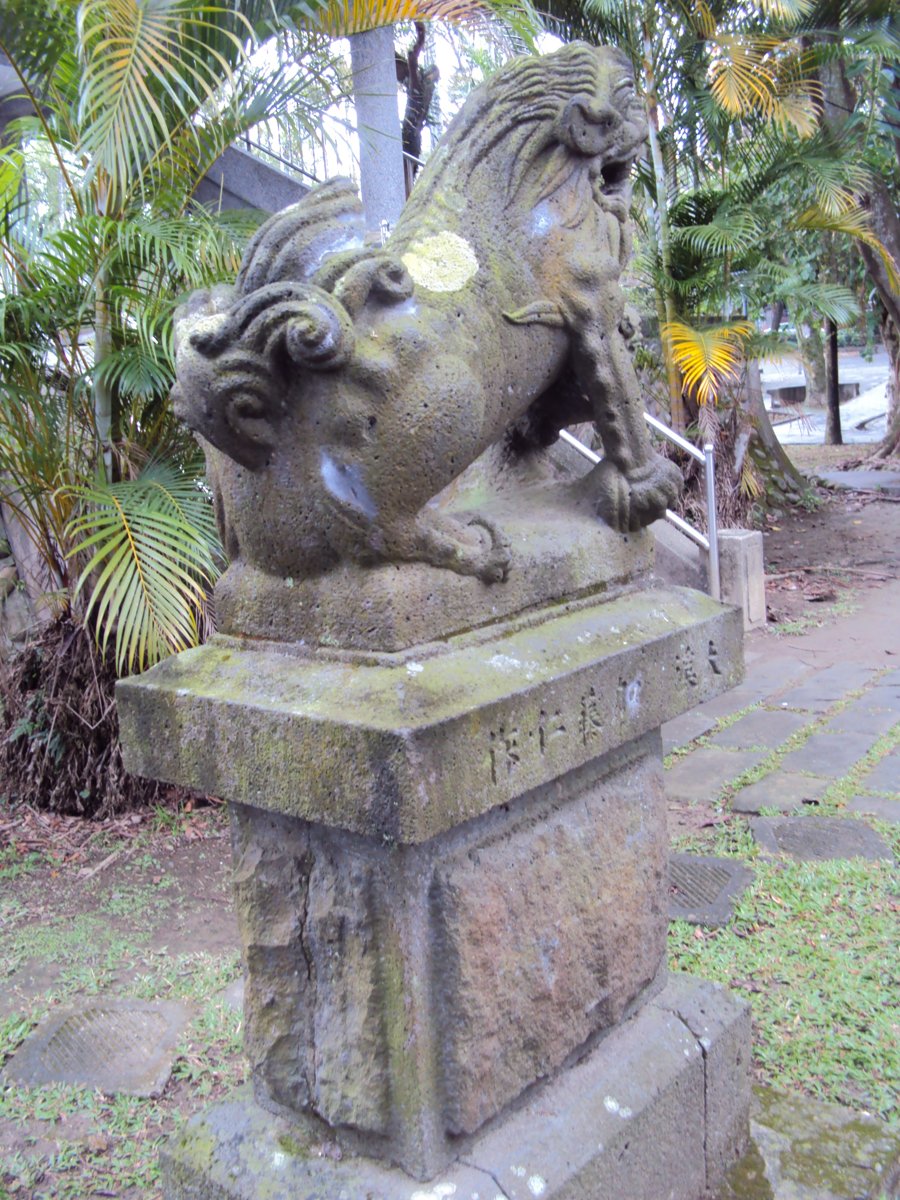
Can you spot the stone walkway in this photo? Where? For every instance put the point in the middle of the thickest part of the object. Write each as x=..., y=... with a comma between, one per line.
x=799, y=732
x=810, y=738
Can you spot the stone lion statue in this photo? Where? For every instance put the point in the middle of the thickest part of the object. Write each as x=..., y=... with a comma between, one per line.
x=339, y=387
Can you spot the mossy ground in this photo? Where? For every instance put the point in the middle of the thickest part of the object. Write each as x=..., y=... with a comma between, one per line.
x=156, y=923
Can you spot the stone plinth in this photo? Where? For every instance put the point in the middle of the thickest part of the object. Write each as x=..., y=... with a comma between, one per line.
x=450, y=861
x=657, y=1109
x=407, y=746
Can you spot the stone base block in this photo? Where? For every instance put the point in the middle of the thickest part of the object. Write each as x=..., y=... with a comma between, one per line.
x=743, y=573
x=657, y=1111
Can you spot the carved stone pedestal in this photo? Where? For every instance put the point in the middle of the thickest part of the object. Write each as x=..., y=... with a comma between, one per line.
x=450, y=874
x=656, y=1111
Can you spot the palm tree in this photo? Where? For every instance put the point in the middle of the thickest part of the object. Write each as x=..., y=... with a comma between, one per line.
x=856, y=45
x=132, y=102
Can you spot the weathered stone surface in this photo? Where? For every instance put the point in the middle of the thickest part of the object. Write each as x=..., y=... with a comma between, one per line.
x=233, y=995
x=649, y=1113
x=785, y=790
x=885, y=808
x=560, y=555
x=826, y=687
x=703, y=889
x=236, y=1150
x=112, y=1043
x=406, y=994
x=313, y=1002
x=819, y=838
x=734, y=700
x=721, y=1025
x=884, y=776
x=869, y=715
x=804, y=1149
x=407, y=747
x=545, y=937
x=743, y=573
x=686, y=728
x=335, y=389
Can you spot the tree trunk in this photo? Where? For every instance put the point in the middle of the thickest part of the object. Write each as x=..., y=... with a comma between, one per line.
x=812, y=355
x=833, y=435
x=890, y=336
x=103, y=397
x=840, y=98
x=771, y=447
x=381, y=176
x=673, y=376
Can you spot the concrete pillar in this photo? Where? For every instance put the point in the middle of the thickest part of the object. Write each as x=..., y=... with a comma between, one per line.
x=743, y=574
x=378, y=124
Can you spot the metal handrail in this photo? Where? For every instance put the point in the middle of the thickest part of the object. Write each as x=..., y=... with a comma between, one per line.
x=707, y=457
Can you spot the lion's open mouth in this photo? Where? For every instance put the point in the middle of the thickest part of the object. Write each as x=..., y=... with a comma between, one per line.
x=614, y=175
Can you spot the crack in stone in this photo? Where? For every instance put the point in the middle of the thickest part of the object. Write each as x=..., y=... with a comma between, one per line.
x=501, y=1190
x=699, y=1042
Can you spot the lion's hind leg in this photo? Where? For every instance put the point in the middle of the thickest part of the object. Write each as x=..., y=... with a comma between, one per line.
x=469, y=547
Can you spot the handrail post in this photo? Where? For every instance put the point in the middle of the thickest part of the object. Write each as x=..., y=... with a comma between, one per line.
x=715, y=586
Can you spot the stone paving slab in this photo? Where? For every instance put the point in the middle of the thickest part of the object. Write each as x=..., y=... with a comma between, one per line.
x=763, y=727
x=884, y=776
x=804, y=1149
x=114, y=1044
x=827, y=687
x=864, y=716
x=883, y=807
x=818, y=839
x=773, y=675
x=702, y=775
x=889, y=680
x=732, y=701
x=233, y=995
x=828, y=754
x=864, y=480
x=787, y=791
x=703, y=890
x=685, y=729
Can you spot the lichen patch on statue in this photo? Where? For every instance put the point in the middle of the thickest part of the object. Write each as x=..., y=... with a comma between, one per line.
x=444, y=262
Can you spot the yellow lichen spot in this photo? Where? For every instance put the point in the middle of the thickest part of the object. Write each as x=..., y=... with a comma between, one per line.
x=444, y=262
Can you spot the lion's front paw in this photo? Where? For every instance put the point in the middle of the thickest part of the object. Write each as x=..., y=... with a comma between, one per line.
x=491, y=563
x=628, y=502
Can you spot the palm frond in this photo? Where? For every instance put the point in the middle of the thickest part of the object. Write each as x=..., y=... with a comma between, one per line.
x=830, y=300
x=151, y=552
x=707, y=357
x=854, y=223
x=146, y=62
x=341, y=18
x=785, y=10
x=732, y=230
x=742, y=76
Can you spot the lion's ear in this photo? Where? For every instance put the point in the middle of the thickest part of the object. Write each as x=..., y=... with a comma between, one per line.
x=587, y=125
x=251, y=428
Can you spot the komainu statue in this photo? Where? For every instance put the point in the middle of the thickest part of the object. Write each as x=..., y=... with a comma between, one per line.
x=339, y=387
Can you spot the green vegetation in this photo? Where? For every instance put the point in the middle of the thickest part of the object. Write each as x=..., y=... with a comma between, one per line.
x=807, y=948
x=76, y=1142
x=65, y=936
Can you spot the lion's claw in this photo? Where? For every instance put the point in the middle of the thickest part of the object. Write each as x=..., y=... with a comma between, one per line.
x=628, y=502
